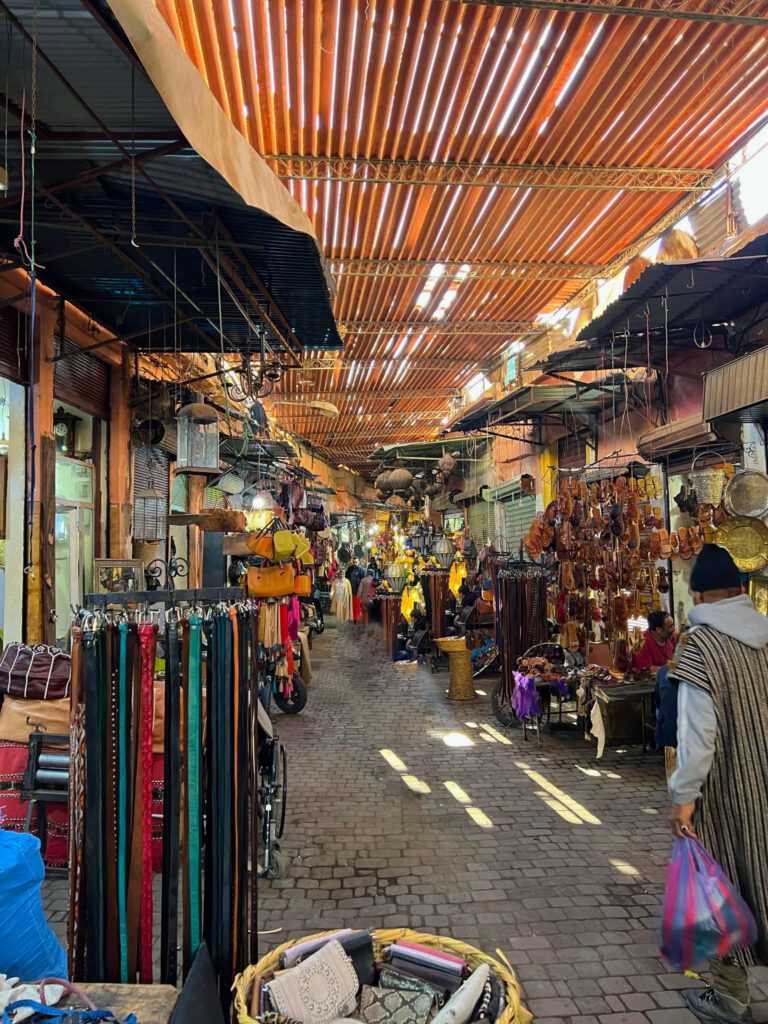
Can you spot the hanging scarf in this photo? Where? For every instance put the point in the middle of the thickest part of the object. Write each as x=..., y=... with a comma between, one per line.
x=525, y=697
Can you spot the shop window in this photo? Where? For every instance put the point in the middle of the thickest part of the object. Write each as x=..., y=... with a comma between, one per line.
x=180, y=494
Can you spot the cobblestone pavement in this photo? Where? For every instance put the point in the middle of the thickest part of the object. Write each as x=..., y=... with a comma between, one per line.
x=407, y=810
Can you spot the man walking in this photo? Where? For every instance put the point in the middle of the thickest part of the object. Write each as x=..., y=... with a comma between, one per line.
x=720, y=787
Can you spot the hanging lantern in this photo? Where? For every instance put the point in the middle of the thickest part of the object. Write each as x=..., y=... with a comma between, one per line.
x=443, y=551
x=198, y=440
x=400, y=480
x=396, y=574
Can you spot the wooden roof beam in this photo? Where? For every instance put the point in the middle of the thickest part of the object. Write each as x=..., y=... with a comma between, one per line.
x=482, y=270
x=728, y=12
x=479, y=328
x=541, y=176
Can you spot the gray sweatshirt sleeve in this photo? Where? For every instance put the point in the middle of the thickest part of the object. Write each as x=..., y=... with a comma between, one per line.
x=696, y=729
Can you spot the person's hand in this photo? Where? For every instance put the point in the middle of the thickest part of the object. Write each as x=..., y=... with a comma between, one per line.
x=681, y=820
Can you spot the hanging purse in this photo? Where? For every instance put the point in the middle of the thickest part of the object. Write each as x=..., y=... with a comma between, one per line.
x=302, y=585
x=35, y=672
x=285, y=545
x=262, y=545
x=307, y=558
x=270, y=580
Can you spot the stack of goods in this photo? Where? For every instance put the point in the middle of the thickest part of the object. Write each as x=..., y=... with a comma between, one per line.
x=398, y=976
x=34, y=690
x=604, y=539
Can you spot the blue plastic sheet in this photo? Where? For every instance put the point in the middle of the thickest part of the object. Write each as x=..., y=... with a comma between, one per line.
x=28, y=948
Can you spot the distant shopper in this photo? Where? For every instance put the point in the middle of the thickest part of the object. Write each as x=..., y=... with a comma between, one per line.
x=720, y=787
x=658, y=643
x=366, y=592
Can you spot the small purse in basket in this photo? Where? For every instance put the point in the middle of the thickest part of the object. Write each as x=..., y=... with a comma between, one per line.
x=393, y=1006
x=320, y=989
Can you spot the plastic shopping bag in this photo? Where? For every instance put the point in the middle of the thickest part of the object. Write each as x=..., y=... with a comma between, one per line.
x=704, y=917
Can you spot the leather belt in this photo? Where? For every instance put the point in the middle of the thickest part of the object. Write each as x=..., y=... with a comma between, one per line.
x=123, y=739
x=147, y=641
x=94, y=807
x=194, y=776
x=171, y=808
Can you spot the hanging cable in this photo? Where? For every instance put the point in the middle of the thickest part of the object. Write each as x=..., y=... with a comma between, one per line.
x=30, y=257
x=134, y=243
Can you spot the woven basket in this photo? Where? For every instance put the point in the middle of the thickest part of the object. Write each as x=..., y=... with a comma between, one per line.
x=708, y=482
x=513, y=1012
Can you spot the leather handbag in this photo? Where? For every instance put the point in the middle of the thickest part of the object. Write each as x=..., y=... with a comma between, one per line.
x=285, y=545
x=318, y=990
x=483, y=607
x=19, y=717
x=300, y=545
x=262, y=545
x=35, y=673
x=307, y=558
x=391, y=1006
x=302, y=585
x=270, y=580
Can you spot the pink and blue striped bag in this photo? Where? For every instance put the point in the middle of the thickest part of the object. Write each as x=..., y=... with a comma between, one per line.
x=704, y=916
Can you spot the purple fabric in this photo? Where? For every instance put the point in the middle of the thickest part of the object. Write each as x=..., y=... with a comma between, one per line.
x=525, y=698
x=294, y=618
x=561, y=688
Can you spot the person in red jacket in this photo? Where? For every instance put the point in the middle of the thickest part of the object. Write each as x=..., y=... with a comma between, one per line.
x=658, y=644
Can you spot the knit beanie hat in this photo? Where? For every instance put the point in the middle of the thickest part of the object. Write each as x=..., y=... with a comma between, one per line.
x=714, y=570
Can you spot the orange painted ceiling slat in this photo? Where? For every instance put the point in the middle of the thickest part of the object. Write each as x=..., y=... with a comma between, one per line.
x=428, y=80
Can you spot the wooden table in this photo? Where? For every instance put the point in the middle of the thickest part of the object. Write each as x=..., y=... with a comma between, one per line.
x=152, y=1004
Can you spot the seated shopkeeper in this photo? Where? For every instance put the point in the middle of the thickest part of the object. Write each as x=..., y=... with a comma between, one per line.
x=658, y=645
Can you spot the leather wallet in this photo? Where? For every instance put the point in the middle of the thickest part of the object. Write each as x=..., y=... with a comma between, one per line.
x=387, y=1006
x=318, y=990
x=443, y=980
x=359, y=948
x=390, y=977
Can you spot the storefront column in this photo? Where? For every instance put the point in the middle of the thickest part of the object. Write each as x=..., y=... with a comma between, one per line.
x=120, y=463
x=40, y=578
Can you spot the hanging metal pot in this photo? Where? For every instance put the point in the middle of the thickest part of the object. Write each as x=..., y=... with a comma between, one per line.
x=382, y=481
x=447, y=464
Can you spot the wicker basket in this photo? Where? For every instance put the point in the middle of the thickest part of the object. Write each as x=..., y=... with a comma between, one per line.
x=708, y=482
x=513, y=1012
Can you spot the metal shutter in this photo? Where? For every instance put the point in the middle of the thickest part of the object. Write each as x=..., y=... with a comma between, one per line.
x=519, y=511
x=150, y=473
x=83, y=381
x=13, y=344
x=212, y=495
x=481, y=521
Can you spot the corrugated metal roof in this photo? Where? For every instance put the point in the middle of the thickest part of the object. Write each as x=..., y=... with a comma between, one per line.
x=424, y=80
x=738, y=390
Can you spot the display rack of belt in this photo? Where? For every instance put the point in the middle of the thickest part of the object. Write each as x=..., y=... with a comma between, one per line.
x=208, y=639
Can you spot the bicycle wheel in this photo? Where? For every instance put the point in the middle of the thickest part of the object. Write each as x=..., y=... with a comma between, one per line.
x=297, y=700
x=281, y=790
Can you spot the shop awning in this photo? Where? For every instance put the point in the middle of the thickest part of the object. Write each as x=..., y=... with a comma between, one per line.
x=670, y=438
x=738, y=391
x=673, y=307
x=544, y=400
x=170, y=251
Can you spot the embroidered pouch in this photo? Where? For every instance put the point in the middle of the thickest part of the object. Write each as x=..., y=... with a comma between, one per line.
x=316, y=991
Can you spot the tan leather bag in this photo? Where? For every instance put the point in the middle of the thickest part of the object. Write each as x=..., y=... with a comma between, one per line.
x=18, y=718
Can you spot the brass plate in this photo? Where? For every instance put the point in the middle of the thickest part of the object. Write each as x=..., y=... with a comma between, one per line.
x=747, y=494
x=746, y=539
